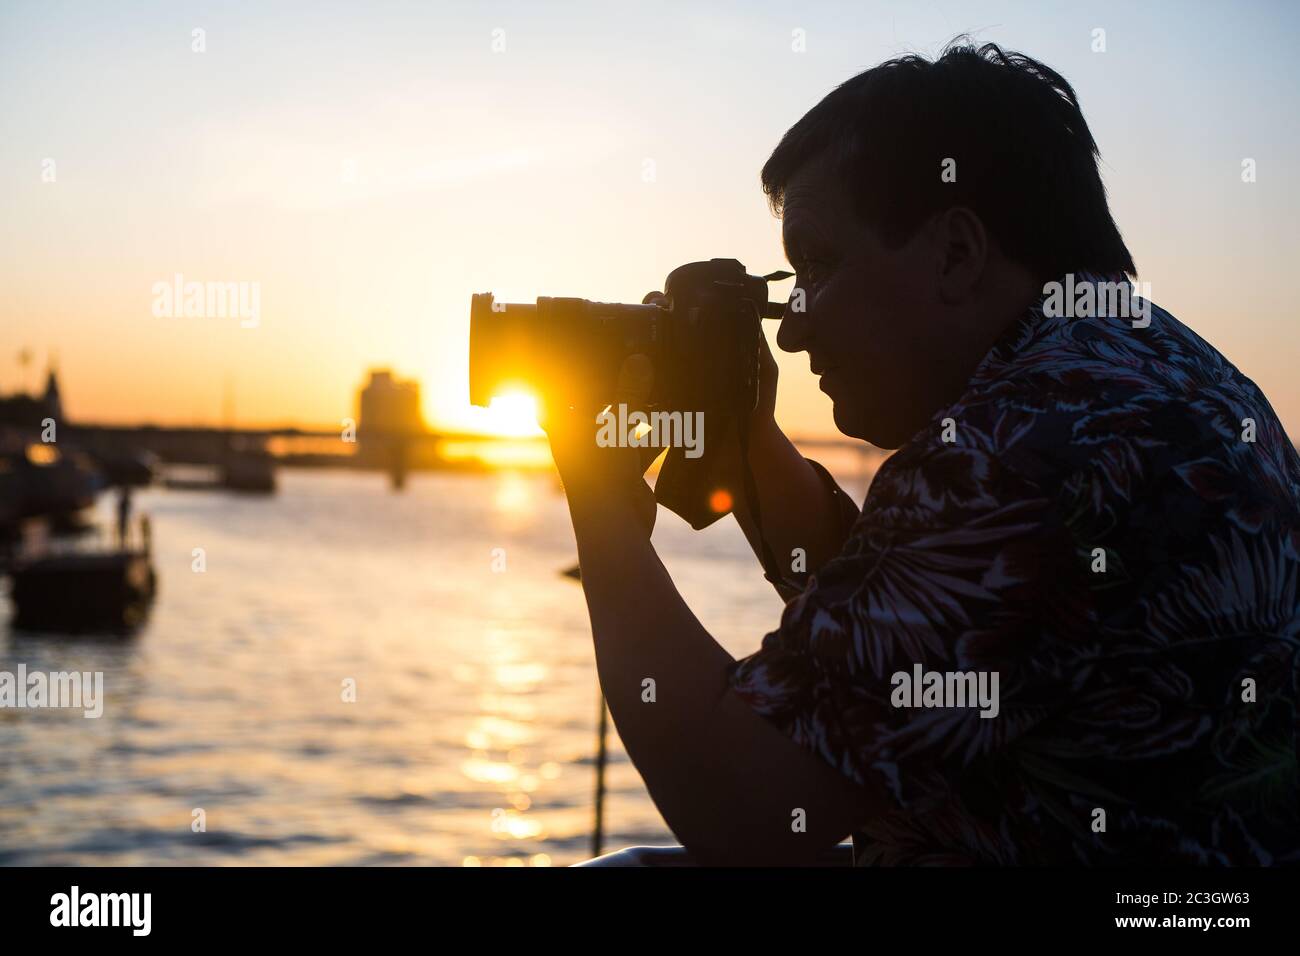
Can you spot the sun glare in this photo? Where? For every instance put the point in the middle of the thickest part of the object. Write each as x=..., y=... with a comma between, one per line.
x=512, y=415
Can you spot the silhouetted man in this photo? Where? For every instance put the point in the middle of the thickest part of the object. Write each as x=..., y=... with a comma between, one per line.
x=1063, y=627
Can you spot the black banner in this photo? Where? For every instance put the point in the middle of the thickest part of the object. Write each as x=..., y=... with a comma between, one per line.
x=499, y=905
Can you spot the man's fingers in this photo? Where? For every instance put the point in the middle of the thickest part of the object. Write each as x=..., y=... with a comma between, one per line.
x=636, y=377
x=635, y=381
x=766, y=360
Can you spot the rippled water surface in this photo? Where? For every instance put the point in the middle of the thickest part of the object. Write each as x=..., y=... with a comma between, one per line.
x=473, y=731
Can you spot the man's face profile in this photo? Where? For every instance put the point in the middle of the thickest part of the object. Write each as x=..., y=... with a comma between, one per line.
x=872, y=322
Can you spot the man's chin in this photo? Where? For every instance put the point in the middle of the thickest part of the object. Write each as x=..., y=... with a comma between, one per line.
x=877, y=430
x=850, y=422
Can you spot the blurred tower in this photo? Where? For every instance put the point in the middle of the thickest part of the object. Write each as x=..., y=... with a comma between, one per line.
x=389, y=407
x=388, y=419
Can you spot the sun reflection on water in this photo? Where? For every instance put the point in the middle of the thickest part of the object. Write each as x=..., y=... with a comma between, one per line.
x=500, y=741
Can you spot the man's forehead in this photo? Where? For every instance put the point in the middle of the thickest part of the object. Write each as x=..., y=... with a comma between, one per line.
x=814, y=200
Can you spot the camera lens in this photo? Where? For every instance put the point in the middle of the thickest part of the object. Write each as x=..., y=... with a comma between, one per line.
x=561, y=349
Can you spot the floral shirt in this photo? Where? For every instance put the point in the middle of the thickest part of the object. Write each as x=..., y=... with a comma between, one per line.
x=1107, y=521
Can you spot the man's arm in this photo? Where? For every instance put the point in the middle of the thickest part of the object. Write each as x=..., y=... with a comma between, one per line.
x=798, y=507
x=727, y=782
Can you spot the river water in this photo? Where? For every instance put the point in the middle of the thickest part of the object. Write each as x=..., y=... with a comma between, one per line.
x=471, y=737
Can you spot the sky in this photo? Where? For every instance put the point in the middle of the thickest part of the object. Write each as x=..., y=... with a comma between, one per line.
x=370, y=165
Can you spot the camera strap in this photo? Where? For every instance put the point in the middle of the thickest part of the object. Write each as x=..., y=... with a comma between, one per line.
x=771, y=570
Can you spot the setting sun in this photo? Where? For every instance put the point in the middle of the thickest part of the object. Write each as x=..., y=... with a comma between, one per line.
x=512, y=415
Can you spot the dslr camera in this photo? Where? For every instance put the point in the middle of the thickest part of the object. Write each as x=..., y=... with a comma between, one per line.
x=703, y=339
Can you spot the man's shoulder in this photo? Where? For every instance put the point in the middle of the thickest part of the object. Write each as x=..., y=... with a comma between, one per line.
x=1067, y=367
x=1119, y=404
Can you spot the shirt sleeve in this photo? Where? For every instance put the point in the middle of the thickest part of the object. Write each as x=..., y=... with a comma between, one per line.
x=946, y=568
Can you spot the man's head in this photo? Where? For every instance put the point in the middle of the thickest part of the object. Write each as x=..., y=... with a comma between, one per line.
x=924, y=206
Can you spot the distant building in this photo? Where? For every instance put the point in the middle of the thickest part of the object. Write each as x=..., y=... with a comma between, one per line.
x=388, y=421
x=389, y=407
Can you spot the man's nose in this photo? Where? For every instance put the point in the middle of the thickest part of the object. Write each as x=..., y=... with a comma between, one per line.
x=792, y=335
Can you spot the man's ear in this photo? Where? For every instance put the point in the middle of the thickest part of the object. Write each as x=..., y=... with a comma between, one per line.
x=962, y=246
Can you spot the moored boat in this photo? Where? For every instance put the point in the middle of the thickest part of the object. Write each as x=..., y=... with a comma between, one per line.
x=108, y=591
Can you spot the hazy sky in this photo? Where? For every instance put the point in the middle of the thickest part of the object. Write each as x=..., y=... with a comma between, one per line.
x=373, y=164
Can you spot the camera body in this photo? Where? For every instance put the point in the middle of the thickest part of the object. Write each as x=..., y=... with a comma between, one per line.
x=703, y=341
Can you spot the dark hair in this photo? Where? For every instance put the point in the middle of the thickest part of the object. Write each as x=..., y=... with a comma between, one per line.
x=1025, y=160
